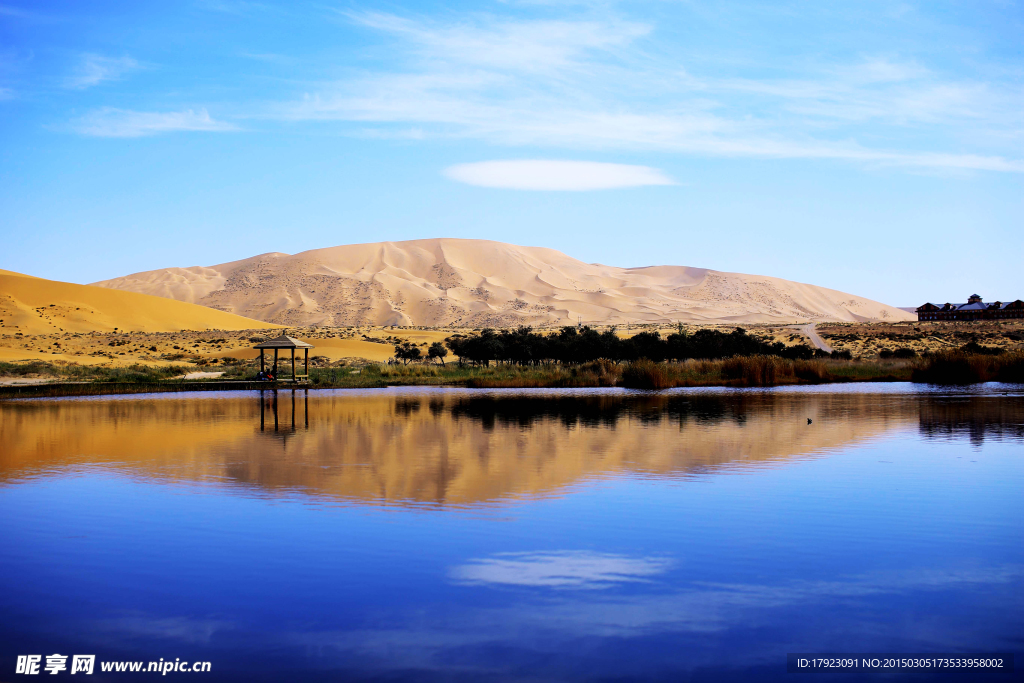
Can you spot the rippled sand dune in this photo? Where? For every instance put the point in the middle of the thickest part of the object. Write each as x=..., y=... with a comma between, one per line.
x=474, y=283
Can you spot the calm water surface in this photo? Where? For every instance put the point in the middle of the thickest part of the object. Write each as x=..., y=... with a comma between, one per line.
x=461, y=536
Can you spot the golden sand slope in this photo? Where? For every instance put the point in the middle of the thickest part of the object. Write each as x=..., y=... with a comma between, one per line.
x=32, y=306
x=472, y=283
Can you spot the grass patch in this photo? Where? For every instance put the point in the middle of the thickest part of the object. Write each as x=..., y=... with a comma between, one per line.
x=92, y=373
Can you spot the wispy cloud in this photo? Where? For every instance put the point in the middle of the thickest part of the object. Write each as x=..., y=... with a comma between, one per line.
x=542, y=174
x=560, y=569
x=121, y=123
x=532, y=46
x=596, y=85
x=879, y=90
x=94, y=69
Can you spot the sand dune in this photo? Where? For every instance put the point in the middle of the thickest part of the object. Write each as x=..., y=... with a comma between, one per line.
x=474, y=283
x=32, y=305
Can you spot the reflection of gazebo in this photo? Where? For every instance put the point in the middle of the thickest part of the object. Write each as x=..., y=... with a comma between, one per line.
x=285, y=342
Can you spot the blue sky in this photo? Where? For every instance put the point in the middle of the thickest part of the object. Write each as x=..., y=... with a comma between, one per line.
x=872, y=147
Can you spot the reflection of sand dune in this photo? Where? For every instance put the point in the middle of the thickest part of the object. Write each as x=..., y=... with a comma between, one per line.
x=450, y=447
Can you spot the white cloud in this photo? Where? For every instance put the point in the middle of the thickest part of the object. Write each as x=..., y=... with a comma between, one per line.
x=878, y=91
x=589, y=85
x=542, y=174
x=560, y=569
x=515, y=45
x=121, y=123
x=95, y=69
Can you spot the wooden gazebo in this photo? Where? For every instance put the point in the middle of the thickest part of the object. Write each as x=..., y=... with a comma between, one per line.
x=285, y=342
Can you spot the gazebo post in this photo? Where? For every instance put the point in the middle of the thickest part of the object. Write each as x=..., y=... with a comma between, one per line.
x=263, y=367
x=293, y=365
x=275, y=364
x=307, y=364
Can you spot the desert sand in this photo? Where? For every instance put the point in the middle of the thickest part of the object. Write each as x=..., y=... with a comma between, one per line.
x=34, y=306
x=61, y=322
x=477, y=283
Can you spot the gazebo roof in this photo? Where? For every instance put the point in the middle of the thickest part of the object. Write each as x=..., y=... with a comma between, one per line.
x=284, y=342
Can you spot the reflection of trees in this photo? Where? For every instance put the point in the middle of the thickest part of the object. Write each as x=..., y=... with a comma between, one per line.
x=975, y=417
x=592, y=411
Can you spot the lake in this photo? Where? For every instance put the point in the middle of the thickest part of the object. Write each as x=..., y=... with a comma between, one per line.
x=547, y=535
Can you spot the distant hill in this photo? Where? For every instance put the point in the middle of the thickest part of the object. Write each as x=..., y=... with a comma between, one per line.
x=478, y=283
x=32, y=305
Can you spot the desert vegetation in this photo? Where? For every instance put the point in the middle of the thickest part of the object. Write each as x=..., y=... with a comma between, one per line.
x=914, y=339
x=572, y=346
x=71, y=372
x=650, y=359
x=758, y=370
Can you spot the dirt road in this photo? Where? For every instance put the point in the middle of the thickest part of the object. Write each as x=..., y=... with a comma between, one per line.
x=808, y=331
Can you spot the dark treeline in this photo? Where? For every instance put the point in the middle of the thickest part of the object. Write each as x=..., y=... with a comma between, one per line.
x=571, y=346
x=975, y=417
x=593, y=411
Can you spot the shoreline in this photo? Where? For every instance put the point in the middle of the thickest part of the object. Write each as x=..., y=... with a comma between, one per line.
x=954, y=368
x=98, y=390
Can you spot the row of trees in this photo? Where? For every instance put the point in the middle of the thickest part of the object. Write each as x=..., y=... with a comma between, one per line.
x=407, y=351
x=523, y=346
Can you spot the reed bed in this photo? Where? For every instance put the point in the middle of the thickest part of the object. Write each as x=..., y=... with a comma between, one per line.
x=959, y=367
x=756, y=371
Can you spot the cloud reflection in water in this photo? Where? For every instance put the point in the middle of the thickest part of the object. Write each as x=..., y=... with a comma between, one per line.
x=559, y=569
